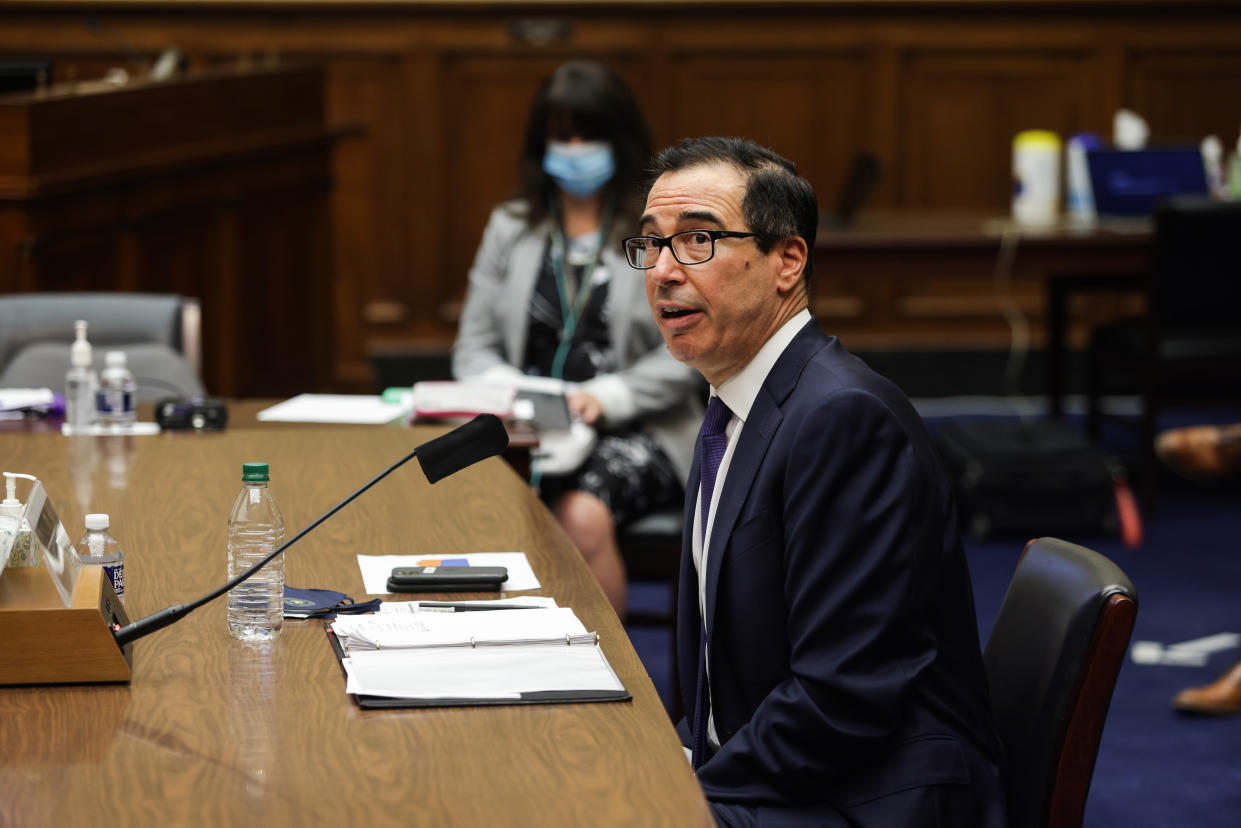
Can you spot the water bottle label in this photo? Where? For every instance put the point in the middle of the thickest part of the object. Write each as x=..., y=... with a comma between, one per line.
x=116, y=572
x=114, y=401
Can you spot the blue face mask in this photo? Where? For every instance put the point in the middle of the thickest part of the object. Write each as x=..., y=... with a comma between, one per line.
x=579, y=169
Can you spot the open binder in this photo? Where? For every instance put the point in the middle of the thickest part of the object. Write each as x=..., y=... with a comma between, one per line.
x=466, y=659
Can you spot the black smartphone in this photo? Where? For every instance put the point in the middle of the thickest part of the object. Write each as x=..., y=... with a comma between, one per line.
x=447, y=578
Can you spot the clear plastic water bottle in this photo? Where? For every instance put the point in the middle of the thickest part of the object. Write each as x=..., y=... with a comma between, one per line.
x=255, y=528
x=114, y=404
x=99, y=548
x=81, y=383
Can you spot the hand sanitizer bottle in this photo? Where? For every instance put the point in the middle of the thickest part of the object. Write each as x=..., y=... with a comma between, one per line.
x=81, y=382
x=16, y=548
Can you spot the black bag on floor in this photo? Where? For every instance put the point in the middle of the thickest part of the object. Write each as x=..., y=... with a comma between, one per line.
x=1032, y=479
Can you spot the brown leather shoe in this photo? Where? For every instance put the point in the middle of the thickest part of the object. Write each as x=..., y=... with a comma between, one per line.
x=1221, y=697
x=1201, y=452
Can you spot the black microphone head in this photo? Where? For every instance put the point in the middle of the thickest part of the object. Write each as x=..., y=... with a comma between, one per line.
x=480, y=438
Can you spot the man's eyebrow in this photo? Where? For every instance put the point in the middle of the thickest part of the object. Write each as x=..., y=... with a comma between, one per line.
x=700, y=215
x=705, y=216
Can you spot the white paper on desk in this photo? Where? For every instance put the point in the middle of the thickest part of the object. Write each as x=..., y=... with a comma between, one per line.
x=19, y=399
x=377, y=568
x=492, y=628
x=479, y=672
x=361, y=409
x=446, y=398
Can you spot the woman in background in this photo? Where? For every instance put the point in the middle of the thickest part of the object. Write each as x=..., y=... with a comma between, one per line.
x=551, y=295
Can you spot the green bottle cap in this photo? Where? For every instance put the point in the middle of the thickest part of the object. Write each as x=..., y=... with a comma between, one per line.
x=254, y=471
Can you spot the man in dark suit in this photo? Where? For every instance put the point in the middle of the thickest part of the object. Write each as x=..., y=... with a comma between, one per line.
x=829, y=654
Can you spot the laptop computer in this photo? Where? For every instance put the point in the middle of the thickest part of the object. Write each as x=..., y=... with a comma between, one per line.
x=1129, y=183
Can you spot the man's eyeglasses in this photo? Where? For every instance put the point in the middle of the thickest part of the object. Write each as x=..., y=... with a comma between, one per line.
x=689, y=248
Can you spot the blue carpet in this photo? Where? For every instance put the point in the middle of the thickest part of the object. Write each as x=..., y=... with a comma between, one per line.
x=1155, y=767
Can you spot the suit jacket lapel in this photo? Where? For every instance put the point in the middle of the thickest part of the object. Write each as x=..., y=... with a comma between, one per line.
x=760, y=428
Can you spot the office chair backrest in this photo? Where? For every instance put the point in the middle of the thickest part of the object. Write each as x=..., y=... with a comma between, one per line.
x=1051, y=663
x=160, y=332
x=1196, y=266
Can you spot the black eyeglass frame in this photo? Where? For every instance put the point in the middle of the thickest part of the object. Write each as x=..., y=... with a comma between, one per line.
x=666, y=241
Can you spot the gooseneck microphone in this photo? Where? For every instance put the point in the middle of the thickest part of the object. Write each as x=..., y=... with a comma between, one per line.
x=480, y=438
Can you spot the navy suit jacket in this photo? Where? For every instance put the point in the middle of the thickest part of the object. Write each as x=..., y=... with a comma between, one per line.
x=846, y=676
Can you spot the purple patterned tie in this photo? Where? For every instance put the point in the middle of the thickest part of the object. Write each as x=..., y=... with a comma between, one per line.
x=714, y=441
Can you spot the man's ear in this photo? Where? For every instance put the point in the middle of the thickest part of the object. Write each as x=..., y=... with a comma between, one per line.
x=792, y=253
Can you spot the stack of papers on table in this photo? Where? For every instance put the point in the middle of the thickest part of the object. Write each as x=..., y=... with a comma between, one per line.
x=499, y=656
x=537, y=400
x=434, y=398
x=360, y=409
x=461, y=629
x=16, y=403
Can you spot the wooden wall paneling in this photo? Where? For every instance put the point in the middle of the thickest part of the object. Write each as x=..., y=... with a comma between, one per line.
x=886, y=108
x=374, y=193
x=78, y=259
x=964, y=109
x=425, y=284
x=1185, y=95
x=14, y=256
x=222, y=345
x=814, y=109
x=175, y=252
x=277, y=322
x=483, y=114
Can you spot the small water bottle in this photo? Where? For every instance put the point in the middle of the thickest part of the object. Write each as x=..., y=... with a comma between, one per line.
x=81, y=383
x=255, y=528
x=114, y=404
x=101, y=549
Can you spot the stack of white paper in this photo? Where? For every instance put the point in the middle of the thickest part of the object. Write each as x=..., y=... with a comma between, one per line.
x=475, y=657
x=481, y=673
x=486, y=628
x=361, y=409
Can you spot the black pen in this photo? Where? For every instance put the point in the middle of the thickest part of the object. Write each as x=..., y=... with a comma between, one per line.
x=471, y=607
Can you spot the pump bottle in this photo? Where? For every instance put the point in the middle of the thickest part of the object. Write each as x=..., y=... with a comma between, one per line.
x=14, y=531
x=81, y=382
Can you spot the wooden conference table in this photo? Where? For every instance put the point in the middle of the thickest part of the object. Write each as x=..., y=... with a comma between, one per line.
x=211, y=731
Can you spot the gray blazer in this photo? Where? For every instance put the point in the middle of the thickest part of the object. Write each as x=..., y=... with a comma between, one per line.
x=667, y=395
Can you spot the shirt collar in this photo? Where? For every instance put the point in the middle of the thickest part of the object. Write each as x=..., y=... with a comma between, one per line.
x=741, y=389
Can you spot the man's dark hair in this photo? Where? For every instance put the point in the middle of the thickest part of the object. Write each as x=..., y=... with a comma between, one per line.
x=778, y=202
x=586, y=99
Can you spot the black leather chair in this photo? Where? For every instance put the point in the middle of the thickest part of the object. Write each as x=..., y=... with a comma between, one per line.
x=1187, y=348
x=160, y=333
x=1051, y=662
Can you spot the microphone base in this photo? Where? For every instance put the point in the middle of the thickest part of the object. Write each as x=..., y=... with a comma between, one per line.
x=44, y=642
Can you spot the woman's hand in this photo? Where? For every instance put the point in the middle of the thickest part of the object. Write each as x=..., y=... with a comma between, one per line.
x=584, y=407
